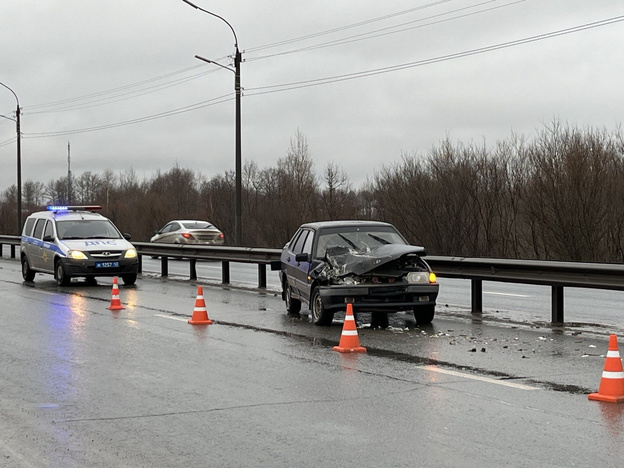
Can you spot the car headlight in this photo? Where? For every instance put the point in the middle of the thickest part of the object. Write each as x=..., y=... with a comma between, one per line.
x=418, y=277
x=76, y=255
x=130, y=253
x=432, y=277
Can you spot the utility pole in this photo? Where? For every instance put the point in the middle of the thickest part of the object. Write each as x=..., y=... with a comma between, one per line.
x=238, y=223
x=238, y=58
x=69, y=189
x=19, y=160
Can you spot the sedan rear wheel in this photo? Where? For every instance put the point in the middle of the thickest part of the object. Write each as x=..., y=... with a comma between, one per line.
x=319, y=315
x=293, y=306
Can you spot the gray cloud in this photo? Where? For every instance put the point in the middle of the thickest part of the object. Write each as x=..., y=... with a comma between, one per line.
x=59, y=50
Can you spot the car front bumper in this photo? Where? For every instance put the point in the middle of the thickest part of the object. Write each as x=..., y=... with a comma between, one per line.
x=101, y=268
x=379, y=298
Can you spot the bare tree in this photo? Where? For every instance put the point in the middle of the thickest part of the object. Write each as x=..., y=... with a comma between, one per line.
x=335, y=197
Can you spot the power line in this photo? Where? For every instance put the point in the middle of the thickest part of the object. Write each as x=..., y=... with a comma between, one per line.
x=8, y=142
x=181, y=110
x=128, y=95
x=114, y=90
x=314, y=82
x=443, y=58
x=393, y=29
x=344, y=28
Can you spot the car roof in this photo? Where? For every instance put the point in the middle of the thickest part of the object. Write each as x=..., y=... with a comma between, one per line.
x=189, y=221
x=68, y=215
x=345, y=223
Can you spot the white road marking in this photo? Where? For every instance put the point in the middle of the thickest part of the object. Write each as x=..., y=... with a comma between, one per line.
x=476, y=377
x=180, y=319
x=505, y=294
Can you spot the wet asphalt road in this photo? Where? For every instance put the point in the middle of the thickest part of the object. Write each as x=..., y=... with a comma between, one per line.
x=83, y=386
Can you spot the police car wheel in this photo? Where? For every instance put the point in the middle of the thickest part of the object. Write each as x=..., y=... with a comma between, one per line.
x=62, y=278
x=129, y=279
x=27, y=273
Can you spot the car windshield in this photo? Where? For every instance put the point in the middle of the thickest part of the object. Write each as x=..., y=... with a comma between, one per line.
x=197, y=225
x=360, y=239
x=87, y=229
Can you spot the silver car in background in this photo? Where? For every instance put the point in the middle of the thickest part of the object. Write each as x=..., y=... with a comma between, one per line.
x=189, y=232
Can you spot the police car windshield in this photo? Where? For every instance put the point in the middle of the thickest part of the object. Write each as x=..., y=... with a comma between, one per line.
x=86, y=229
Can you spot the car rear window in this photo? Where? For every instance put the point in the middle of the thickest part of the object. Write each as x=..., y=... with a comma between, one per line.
x=197, y=225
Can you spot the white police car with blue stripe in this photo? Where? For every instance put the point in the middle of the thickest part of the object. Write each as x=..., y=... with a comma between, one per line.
x=75, y=241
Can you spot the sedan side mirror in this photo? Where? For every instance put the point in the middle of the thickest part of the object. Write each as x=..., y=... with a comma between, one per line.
x=302, y=257
x=126, y=236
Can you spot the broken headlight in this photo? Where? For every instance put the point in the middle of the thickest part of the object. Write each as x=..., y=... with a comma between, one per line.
x=350, y=280
x=418, y=277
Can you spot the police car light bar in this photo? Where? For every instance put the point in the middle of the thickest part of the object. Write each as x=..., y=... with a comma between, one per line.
x=73, y=207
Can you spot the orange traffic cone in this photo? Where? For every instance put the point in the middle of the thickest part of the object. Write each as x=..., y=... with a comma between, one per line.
x=349, y=341
x=612, y=383
x=200, y=314
x=115, y=302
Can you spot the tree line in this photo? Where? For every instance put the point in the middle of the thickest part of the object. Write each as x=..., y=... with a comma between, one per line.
x=559, y=196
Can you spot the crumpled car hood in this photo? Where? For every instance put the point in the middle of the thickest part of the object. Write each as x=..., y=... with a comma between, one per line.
x=349, y=261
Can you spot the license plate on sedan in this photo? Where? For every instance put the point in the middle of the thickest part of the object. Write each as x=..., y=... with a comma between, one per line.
x=423, y=298
x=106, y=264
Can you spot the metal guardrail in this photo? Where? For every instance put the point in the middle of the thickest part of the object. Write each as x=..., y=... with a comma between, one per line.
x=11, y=241
x=224, y=254
x=557, y=275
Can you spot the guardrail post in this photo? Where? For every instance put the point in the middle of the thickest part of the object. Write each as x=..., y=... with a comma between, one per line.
x=140, y=267
x=225, y=272
x=193, y=267
x=557, y=304
x=476, y=296
x=262, y=279
x=164, y=266
x=12, y=251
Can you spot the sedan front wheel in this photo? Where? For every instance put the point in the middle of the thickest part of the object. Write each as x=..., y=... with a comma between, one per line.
x=319, y=315
x=424, y=314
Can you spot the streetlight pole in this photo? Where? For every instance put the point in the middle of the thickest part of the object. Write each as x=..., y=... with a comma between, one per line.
x=19, y=162
x=237, y=88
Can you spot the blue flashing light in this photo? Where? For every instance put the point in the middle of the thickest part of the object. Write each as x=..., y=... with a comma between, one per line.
x=73, y=207
x=57, y=208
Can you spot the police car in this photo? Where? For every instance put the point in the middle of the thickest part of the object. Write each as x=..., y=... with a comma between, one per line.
x=75, y=241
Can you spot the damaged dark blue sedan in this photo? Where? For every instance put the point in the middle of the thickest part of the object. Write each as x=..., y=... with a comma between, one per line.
x=366, y=263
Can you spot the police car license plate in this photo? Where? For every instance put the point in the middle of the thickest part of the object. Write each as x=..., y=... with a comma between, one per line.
x=106, y=264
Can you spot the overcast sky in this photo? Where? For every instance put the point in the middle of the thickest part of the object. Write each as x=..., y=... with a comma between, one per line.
x=361, y=79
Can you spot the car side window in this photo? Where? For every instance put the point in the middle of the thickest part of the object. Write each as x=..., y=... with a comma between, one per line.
x=28, y=227
x=299, y=243
x=39, y=228
x=291, y=242
x=167, y=228
x=307, y=246
x=175, y=227
x=49, y=231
